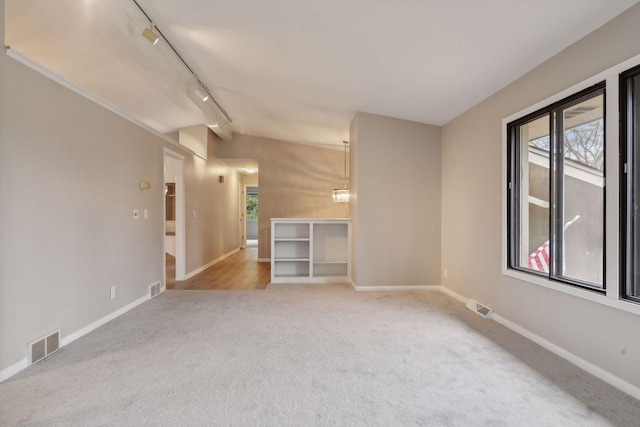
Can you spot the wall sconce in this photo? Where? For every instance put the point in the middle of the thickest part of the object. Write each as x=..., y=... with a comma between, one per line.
x=221, y=179
x=145, y=185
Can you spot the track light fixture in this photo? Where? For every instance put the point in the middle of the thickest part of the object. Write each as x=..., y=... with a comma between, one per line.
x=148, y=34
x=202, y=94
x=153, y=34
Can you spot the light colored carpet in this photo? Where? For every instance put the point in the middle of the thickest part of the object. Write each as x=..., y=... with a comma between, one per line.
x=305, y=356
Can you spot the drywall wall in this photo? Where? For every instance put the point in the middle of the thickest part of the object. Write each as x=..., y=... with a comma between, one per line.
x=251, y=180
x=69, y=181
x=295, y=180
x=472, y=162
x=353, y=193
x=195, y=138
x=397, y=239
x=212, y=207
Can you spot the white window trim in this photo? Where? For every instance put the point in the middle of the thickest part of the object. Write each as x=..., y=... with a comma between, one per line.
x=612, y=226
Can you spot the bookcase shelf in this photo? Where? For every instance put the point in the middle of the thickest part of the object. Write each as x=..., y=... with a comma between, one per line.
x=310, y=250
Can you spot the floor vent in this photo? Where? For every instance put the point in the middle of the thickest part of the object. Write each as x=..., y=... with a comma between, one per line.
x=155, y=289
x=41, y=348
x=480, y=309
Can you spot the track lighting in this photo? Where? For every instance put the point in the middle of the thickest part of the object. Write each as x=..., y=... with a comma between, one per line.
x=202, y=94
x=153, y=34
x=148, y=34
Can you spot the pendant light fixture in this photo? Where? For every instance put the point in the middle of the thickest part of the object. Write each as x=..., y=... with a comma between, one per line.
x=341, y=195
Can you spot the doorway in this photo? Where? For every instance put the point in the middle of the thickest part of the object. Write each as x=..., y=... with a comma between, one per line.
x=251, y=204
x=174, y=217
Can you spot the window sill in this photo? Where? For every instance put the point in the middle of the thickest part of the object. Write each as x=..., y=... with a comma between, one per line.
x=609, y=301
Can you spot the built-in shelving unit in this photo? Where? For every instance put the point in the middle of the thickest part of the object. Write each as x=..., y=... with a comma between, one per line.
x=310, y=250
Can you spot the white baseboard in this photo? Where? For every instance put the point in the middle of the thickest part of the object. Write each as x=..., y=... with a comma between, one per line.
x=204, y=267
x=24, y=363
x=454, y=294
x=393, y=288
x=594, y=370
x=95, y=325
x=13, y=369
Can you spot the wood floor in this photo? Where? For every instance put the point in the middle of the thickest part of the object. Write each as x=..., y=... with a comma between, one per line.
x=240, y=271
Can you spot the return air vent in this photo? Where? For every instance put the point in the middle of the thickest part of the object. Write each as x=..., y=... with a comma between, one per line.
x=480, y=309
x=42, y=347
x=155, y=289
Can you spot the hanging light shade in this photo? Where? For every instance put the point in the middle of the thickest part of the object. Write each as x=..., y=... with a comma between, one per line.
x=341, y=195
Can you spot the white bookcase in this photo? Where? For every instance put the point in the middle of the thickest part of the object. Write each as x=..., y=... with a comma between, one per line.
x=307, y=250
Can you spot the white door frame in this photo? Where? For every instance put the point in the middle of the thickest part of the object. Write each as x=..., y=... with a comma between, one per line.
x=180, y=217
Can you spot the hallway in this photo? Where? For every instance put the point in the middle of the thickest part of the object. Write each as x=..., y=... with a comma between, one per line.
x=240, y=271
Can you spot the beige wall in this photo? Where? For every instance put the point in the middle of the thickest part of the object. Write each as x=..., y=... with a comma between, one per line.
x=353, y=193
x=214, y=231
x=251, y=180
x=396, y=183
x=69, y=175
x=472, y=162
x=295, y=181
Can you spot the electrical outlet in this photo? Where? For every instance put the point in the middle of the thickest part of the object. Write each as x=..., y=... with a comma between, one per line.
x=113, y=292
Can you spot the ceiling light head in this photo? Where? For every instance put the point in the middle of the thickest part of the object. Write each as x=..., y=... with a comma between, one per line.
x=250, y=170
x=148, y=34
x=202, y=94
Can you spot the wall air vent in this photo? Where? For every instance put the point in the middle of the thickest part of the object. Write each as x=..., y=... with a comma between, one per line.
x=480, y=309
x=155, y=289
x=42, y=347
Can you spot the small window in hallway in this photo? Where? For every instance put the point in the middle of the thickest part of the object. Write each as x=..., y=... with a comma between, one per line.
x=252, y=216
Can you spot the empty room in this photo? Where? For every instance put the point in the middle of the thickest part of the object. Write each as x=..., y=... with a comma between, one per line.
x=319, y=213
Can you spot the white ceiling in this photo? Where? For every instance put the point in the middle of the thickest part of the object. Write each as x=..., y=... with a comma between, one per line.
x=299, y=70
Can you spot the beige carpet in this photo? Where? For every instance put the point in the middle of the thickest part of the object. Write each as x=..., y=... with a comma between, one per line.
x=307, y=356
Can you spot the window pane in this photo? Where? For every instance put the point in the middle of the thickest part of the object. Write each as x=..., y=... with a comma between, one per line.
x=534, y=194
x=633, y=282
x=581, y=208
x=556, y=190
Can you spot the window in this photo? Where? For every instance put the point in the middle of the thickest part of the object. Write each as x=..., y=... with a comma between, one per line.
x=556, y=200
x=630, y=184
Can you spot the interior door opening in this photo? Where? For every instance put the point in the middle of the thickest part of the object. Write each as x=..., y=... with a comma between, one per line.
x=251, y=215
x=174, y=219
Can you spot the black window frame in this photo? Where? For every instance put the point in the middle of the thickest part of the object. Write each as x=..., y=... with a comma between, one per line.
x=556, y=135
x=629, y=148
